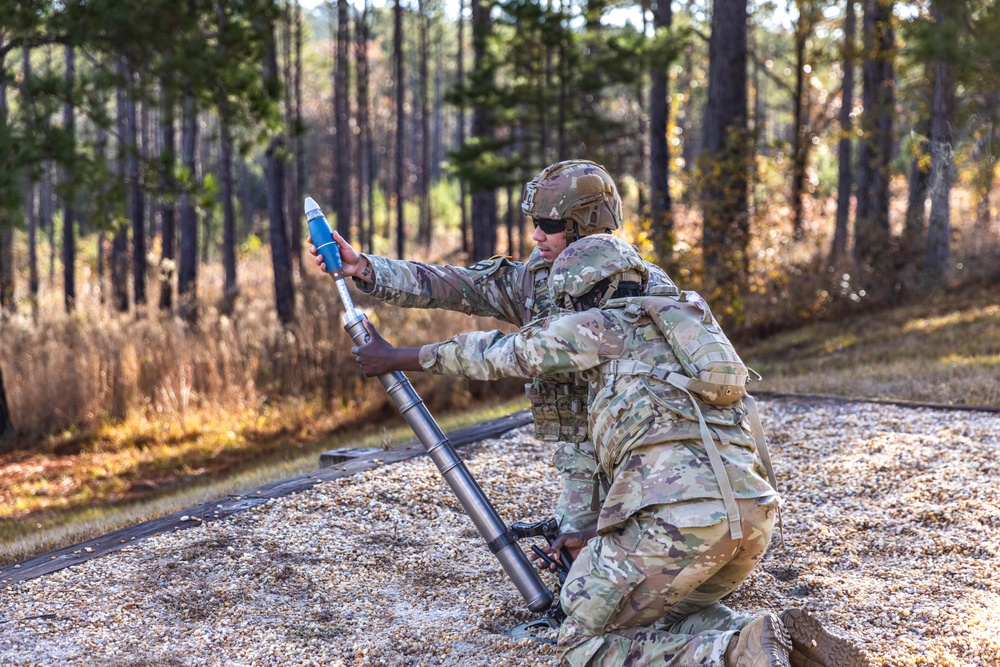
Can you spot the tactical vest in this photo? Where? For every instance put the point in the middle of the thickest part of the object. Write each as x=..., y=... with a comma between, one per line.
x=677, y=378
x=558, y=402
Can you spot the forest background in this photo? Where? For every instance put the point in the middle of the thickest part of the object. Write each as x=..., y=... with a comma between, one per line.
x=795, y=162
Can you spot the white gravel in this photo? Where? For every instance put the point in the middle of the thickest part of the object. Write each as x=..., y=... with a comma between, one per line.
x=891, y=525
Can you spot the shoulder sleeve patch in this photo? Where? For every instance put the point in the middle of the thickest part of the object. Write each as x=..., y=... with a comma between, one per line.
x=490, y=265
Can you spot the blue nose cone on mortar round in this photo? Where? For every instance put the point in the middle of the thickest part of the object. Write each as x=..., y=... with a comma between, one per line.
x=322, y=236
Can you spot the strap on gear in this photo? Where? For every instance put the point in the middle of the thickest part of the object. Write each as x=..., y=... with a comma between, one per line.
x=757, y=429
x=687, y=385
x=721, y=476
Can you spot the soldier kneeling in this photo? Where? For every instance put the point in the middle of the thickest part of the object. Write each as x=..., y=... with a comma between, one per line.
x=690, y=505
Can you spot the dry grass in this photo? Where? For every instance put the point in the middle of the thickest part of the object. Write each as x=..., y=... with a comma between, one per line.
x=945, y=349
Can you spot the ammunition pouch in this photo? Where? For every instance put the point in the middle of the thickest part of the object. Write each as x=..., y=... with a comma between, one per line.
x=559, y=410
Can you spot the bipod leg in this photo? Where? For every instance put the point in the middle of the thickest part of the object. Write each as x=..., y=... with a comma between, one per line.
x=542, y=630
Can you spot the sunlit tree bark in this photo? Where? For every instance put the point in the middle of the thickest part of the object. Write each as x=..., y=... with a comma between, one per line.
x=938, y=253
x=871, y=226
x=845, y=170
x=725, y=162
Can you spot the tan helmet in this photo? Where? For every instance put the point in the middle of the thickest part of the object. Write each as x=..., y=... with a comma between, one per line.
x=579, y=192
x=583, y=264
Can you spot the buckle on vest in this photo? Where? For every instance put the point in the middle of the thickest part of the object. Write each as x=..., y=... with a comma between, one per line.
x=632, y=312
x=660, y=373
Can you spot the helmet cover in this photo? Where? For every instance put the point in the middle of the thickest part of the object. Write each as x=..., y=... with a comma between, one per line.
x=585, y=263
x=577, y=191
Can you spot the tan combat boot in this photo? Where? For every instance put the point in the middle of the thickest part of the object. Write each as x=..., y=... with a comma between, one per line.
x=764, y=642
x=815, y=646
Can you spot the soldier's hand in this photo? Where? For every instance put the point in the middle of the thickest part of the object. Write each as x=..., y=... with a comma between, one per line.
x=375, y=356
x=378, y=356
x=354, y=264
x=572, y=542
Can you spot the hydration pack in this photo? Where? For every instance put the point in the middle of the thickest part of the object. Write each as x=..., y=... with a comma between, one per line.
x=713, y=371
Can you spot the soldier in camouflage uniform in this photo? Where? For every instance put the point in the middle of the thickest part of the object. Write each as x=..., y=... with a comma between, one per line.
x=677, y=531
x=566, y=201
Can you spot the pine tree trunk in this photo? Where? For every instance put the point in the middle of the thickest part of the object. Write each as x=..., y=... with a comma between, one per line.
x=659, y=156
x=845, y=173
x=46, y=204
x=460, y=122
x=274, y=169
x=563, y=105
x=343, y=123
x=187, y=293
x=101, y=151
x=293, y=209
x=689, y=132
x=484, y=200
x=231, y=289
x=6, y=223
x=206, y=158
x=397, y=46
x=938, y=252
x=284, y=290
x=871, y=225
x=425, y=130
x=119, y=245
x=915, y=227
x=6, y=425
x=365, y=212
x=137, y=203
x=726, y=158
x=438, y=139
x=31, y=209
x=801, y=137
x=69, y=214
x=300, y=149
x=168, y=231
x=642, y=129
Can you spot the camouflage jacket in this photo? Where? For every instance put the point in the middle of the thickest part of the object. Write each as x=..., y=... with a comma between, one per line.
x=645, y=432
x=514, y=292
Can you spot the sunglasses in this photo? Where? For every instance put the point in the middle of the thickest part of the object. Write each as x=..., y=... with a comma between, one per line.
x=550, y=226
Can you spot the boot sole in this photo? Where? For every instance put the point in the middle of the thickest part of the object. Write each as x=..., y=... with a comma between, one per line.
x=814, y=646
x=777, y=641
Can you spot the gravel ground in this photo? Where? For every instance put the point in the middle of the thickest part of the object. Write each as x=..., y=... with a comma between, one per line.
x=890, y=536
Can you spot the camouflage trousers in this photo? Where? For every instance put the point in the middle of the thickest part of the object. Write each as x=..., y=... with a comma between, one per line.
x=648, y=592
x=576, y=464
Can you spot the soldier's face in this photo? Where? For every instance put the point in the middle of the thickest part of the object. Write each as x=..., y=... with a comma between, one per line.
x=549, y=245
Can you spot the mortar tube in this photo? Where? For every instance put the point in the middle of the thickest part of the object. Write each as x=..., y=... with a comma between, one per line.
x=496, y=533
x=499, y=538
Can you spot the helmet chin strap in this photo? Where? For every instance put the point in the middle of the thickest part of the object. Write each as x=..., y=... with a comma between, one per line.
x=608, y=292
x=572, y=232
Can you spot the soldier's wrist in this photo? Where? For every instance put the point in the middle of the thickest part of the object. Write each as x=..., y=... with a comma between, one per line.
x=364, y=271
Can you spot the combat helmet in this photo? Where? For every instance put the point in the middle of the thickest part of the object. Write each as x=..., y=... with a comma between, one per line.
x=579, y=192
x=584, y=264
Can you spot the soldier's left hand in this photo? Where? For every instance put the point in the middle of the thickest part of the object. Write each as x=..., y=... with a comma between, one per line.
x=376, y=356
x=572, y=542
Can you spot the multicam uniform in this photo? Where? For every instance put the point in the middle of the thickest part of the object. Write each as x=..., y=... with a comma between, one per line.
x=514, y=292
x=647, y=589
